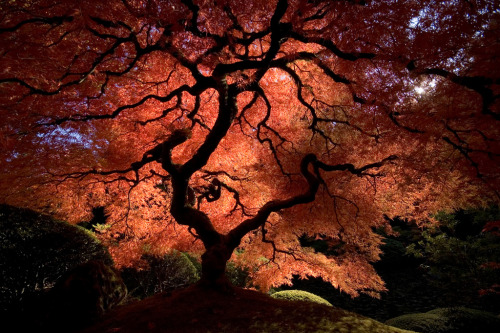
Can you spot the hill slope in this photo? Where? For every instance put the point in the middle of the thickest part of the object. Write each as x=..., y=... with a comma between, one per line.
x=198, y=310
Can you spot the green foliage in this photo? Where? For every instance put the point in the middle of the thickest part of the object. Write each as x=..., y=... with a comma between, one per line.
x=102, y=227
x=393, y=251
x=84, y=294
x=465, y=320
x=163, y=274
x=456, y=252
x=420, y=322
x=98, y=223
x=237, y=275
x=346, y=324
x=416, y=284
x=448, y=320
x=172, y=271
x=195, y=261
x=467, y=222
x=35, y=251
x=300, y=295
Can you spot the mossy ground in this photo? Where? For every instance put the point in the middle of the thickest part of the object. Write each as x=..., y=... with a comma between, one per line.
x=199, y=310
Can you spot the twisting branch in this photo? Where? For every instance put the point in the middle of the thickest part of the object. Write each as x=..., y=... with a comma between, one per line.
x=119, y=110
x=211, y=192
x=52, y=21
x=465, y=152
x=313, y=180
x=275, y=248
x=263, y=124
x=362, y=171
x=327, y=43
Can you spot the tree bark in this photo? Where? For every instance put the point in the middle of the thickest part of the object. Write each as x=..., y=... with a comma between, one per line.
x=213, y=267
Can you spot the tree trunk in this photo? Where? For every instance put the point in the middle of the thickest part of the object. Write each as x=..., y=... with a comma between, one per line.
x=213, y=268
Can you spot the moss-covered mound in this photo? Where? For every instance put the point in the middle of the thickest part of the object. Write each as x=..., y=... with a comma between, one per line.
x=199, y=310
x=35, y=251
x=300, y=295
x=420, y=322
x=462, y=319
x=448, y=320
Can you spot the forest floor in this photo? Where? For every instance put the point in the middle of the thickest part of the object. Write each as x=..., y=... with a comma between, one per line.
x=200, y=310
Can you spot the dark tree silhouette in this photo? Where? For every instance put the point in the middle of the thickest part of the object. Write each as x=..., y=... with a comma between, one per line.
x=216, y=126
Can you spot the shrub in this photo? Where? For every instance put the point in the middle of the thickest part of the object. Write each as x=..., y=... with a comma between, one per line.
x=300, y=295
x=464, y=320
x=458, y=253
x=420, y=322
x=448, y=320
x=237, y=275
x=195, y=261
x=83, y=295
x=163, y=274
x=35, y=251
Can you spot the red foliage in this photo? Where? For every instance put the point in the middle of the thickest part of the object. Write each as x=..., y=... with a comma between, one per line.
x=247, y=124
x=493, y=227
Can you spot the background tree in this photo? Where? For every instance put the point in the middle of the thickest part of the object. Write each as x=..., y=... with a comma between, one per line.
x=461, y=254
x=214, y=126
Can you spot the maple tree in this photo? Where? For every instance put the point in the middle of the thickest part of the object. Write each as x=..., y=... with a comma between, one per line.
x=233, y=128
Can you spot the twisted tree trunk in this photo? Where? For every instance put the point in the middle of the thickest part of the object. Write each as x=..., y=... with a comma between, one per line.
x=213, y=268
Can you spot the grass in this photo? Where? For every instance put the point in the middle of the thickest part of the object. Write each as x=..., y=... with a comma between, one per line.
x=199, y=310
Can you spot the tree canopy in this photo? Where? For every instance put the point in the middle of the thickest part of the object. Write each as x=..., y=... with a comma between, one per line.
x=215, y=126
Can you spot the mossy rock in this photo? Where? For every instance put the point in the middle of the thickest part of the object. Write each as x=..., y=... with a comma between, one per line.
x=300, y=295
x=448, y=320
x=35, y=250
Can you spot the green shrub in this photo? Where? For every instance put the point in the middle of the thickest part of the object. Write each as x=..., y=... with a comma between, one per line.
x=164, y=274
x=237, y=275
x=35, y=251
x=393, y=252
x=82, y=295
x=195, y=261
x=456, y=253
x=300, y=295
x=464, y=320
x=420, y=322
x=448, y=320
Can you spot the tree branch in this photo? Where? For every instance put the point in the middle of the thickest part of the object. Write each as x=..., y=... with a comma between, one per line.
x=313, y=181
x=479, y=84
